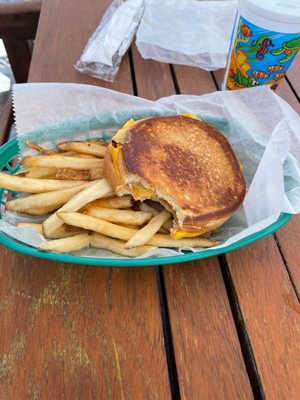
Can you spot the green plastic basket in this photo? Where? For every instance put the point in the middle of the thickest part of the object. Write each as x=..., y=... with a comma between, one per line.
x=10, y=150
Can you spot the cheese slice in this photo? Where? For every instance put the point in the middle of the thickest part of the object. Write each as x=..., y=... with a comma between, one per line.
x=191, y=116
x=114, y=153
x=120, y=134
x=141, y=192
x=179, y=234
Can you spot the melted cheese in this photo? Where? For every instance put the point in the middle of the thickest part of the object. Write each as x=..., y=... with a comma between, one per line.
x=120, y=134
x=138, y=190
x=141, y=192
x=114, y=153
x=191, y=116
x=179, y=234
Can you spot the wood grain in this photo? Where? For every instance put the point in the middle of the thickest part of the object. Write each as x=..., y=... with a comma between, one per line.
x=208, y=356
x=71, y=25
x=286, y=93
x=293, y=74
x=19, y=19
x=193, y=80
x=289, y=239
x=268, y=302
x=153, y=79
x=207, y=351
x=77, y=332
x=271, y=314
x=19, y=56
x=5, y=115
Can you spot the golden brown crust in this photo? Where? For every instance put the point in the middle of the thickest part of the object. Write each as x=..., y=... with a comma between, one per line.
x=188, y=161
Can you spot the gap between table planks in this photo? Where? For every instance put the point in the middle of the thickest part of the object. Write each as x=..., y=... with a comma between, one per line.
x=206, y=346
x=263, y=291
x=70, y=331
x=289, y=236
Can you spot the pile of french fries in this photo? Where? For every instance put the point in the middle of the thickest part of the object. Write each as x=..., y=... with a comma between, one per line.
x=68, y=183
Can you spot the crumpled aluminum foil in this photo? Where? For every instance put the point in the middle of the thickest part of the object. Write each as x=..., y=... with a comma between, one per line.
x=103, y=53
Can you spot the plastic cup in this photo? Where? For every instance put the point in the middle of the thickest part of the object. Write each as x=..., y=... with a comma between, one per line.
x=265, y=41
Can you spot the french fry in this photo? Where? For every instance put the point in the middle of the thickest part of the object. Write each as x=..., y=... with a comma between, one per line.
x=63, y=232
x=163, y=230
x=119, y=216
x=30, y=185
x=70, y=228
x=40, y=149
x=73, y=174
x=42, y=203
x=168, y=225
x=161, y=240
x=39, y=210
x=66, y=245
x=53, y=176
x=93, y=147
x=37, y=227
x=76, y=174
x=79, y=155
x=120, y=232
x=111, y=202
x=96, y=173
x=145, y=234
x=117, y=246
x=37, y=172
x=96, y=225
x=62, y=162
x=130, y=226
x=95, y=190
x=60, y=233
x=147, y=208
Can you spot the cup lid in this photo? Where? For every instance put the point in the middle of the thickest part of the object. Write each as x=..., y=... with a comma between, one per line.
x=286, y=11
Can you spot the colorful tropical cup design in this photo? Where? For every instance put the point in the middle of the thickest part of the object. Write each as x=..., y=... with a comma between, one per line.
x=260, y=57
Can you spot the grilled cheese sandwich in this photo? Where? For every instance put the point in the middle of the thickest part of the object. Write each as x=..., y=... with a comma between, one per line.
x=184, y=150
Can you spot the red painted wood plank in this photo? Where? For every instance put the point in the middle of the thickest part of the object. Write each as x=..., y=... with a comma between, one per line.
x=268, y=301
x=208, y=354
x=153, y=79
x=207, y=350
x=271, y=315
x=194, y=80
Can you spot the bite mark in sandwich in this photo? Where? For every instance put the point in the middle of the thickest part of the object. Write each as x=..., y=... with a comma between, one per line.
x=181, y=162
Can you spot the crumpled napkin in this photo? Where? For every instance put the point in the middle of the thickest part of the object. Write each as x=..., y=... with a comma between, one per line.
x=188, y=32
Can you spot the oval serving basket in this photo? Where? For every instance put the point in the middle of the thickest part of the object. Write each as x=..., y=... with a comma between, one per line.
x=10, y=150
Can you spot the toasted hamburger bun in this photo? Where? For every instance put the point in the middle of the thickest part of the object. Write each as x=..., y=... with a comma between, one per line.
x=183, y=163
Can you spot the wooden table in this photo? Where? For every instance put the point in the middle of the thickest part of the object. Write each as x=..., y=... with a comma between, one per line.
x=226, y=327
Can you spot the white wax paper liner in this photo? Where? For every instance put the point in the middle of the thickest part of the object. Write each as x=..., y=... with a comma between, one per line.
x=262, y=129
